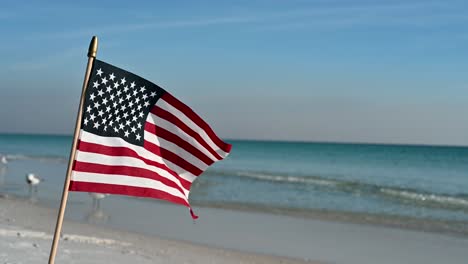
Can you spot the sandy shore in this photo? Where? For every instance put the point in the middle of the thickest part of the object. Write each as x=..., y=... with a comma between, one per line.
x=26, y=234
x=221, y=236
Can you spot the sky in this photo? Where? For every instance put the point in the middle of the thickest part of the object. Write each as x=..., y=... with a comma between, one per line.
x=321, y=70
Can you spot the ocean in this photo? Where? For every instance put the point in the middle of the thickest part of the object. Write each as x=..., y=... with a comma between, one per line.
x=421, y=182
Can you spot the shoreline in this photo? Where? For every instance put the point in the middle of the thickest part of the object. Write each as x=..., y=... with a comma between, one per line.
x=448, y=227
x=420, y=217
x=30, y=226
x=428, y=225
x=222, y=236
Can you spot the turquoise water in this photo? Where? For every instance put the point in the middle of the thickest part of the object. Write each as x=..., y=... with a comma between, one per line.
x=419, y=181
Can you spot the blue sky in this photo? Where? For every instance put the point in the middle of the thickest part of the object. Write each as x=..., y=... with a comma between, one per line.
x=353, y=71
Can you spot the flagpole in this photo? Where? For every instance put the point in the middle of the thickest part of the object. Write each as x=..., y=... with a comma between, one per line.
x=93, y=46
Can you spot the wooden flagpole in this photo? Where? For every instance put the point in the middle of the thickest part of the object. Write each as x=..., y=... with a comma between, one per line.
x=92, y=51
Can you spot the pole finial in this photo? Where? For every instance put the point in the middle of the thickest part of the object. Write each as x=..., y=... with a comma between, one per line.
x=93, y=46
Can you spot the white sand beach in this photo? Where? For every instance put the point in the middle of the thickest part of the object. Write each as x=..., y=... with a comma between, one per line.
x=26, y=228
x=26, y=234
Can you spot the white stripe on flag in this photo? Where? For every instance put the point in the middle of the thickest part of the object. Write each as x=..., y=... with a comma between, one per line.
x=118, y=142
x=189, y=157
x=96, y=158
x=186, y=120
x=125, y=180
x=163, y=123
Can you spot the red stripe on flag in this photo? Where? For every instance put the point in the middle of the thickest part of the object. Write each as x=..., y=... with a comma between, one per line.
x=158, y=111
x=168, y=155
x=169, y=136
x=122, y=151
x=125, y=170
x=196, y=119
x=125, y=190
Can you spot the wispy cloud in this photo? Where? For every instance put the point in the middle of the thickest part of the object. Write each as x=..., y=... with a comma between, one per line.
x=428, y=21
x=406, y=15
x=41, y=62
x=131, y=27
x=38, y=63
x=410, y=14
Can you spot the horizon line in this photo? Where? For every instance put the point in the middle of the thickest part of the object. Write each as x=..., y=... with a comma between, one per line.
x=280, y=140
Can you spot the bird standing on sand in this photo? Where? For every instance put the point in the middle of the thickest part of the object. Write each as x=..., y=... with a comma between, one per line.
x=97, y=215
x=33, y=181
x=3, y=168
x=96, y=199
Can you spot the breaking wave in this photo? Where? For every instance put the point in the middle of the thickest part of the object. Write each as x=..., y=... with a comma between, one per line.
x=41, y=158
x=402, y=195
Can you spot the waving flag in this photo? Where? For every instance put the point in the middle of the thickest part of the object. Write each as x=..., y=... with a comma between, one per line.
x=137, y=139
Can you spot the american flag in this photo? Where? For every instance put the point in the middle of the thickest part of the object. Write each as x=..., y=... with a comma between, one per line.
x=137, y=139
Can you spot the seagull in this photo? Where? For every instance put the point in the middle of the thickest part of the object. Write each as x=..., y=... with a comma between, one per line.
x=97, y=215
x=4, y=160
x=33, y=181
x=96, y=199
